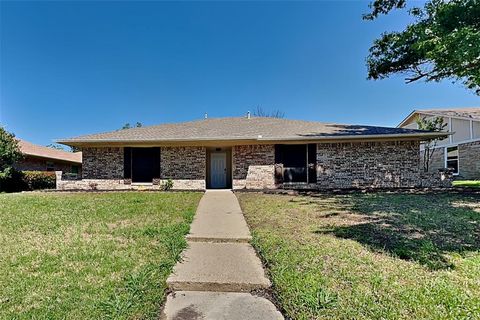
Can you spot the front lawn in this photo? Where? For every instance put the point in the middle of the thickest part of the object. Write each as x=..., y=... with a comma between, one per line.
x=370, y=256
x=89, y=255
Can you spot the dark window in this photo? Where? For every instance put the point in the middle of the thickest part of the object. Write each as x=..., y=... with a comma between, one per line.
x=293, y=158
x=74, y=169
x=452, y=159
x=50, y=166
x=145, y=163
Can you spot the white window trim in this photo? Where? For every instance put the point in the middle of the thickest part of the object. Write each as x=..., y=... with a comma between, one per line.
x=450, y=129
x=471, y=129
x=446, y=158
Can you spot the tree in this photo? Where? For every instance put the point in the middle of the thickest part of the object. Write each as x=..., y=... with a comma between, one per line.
x=433, y=124
x=443, y=42
x=128, y=126
x=9, y=153
x=260, y=112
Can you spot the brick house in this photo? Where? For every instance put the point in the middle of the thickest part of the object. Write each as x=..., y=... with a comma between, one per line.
x=40, y=158
x=460, y=151
x=253, y=153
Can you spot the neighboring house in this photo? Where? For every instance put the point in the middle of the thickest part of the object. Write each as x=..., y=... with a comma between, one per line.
x=461, y=150
x=40, y=158
x=251, y=152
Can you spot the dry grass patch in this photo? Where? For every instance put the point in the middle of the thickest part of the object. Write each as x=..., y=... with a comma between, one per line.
x=370, y=256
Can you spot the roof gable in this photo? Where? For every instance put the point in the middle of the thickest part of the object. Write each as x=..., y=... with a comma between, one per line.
x=35, y=150
x=460, y=113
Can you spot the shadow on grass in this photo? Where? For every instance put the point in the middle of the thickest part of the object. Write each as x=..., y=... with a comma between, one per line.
x=424, y=228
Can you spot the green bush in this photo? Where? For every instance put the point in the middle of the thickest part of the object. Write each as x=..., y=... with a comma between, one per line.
x=167, y=185
x=11, y=180
x=35, y=180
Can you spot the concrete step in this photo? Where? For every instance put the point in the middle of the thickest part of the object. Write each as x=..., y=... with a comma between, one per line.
x=227, y=267
x=218, y=306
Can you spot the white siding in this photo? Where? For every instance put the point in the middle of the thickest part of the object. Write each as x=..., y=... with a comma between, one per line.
x=461, y=129
x=476, y=129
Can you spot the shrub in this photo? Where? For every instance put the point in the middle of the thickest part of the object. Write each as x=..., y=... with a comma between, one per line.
x=167, y=185
x=11, y=180
x=35, y=180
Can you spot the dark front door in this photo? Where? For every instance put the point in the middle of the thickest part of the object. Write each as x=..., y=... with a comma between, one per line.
x=145, y=164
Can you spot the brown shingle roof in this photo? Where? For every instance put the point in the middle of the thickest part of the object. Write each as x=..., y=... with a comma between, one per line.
x=241, y=128
x=472, y=113
x=31, y=149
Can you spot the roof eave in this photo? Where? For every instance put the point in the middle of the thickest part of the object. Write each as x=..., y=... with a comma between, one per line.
x=413, y=136
x=52, y=158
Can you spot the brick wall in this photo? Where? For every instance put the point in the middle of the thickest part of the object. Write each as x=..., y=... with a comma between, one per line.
x=368, y=164
x=40, y=164
x=253, y=166
x=186, y=166
x=438, y=160
x=183, y=163
x=102, y=163
x=469, y=160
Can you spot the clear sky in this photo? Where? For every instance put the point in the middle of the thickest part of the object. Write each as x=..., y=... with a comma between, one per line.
x=76, y=68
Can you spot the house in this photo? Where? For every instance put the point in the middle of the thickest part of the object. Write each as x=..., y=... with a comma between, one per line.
x=40, y=158
x=460, y=151
x=253, y=153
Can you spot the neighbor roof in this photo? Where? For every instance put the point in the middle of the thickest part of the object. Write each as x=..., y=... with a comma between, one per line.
x=242, y=128
x=464, y=113
x=34, y=150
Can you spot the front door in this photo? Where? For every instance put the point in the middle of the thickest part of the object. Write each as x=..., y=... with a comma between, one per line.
x=218, y=170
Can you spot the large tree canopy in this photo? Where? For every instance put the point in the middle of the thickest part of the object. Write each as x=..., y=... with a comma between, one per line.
x=442, y=43
x=9, y=152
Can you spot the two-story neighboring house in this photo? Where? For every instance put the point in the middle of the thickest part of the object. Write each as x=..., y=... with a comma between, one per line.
x=459, y=151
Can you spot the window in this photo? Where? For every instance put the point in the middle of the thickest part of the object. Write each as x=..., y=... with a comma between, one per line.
x=74, y=169
x=451, y=159
x=50, y=166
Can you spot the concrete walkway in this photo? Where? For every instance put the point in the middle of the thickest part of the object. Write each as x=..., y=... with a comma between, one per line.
x=219, y=268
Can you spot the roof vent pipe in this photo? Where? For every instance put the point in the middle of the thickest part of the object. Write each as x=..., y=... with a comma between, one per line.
x=248, y=114
x=206, y=115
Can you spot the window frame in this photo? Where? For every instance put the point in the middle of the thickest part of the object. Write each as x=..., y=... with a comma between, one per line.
x=446, y=159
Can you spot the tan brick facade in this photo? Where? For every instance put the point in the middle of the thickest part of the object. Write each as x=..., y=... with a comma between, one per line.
x=253, y=166
x=102, y=163
x=186, y=166
x=469, y=159
x=391, y=164
x=368, y=164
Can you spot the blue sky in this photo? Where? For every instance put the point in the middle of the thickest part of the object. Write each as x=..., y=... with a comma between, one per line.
x=75, y=68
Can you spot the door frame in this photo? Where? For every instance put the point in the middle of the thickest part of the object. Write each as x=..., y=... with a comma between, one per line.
x=228, y=152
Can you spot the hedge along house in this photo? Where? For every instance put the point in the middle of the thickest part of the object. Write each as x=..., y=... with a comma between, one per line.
x=253, y=153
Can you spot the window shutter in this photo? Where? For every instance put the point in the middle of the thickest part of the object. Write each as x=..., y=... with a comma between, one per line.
x=156, y=170
x=312, y=163
x=127, y=163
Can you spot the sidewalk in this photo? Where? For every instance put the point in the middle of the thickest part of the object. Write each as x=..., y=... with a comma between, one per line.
x=219, y=268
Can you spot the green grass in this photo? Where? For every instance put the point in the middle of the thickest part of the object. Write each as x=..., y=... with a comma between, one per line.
x=370, y=256
x=467, y=183
x=89, y=255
